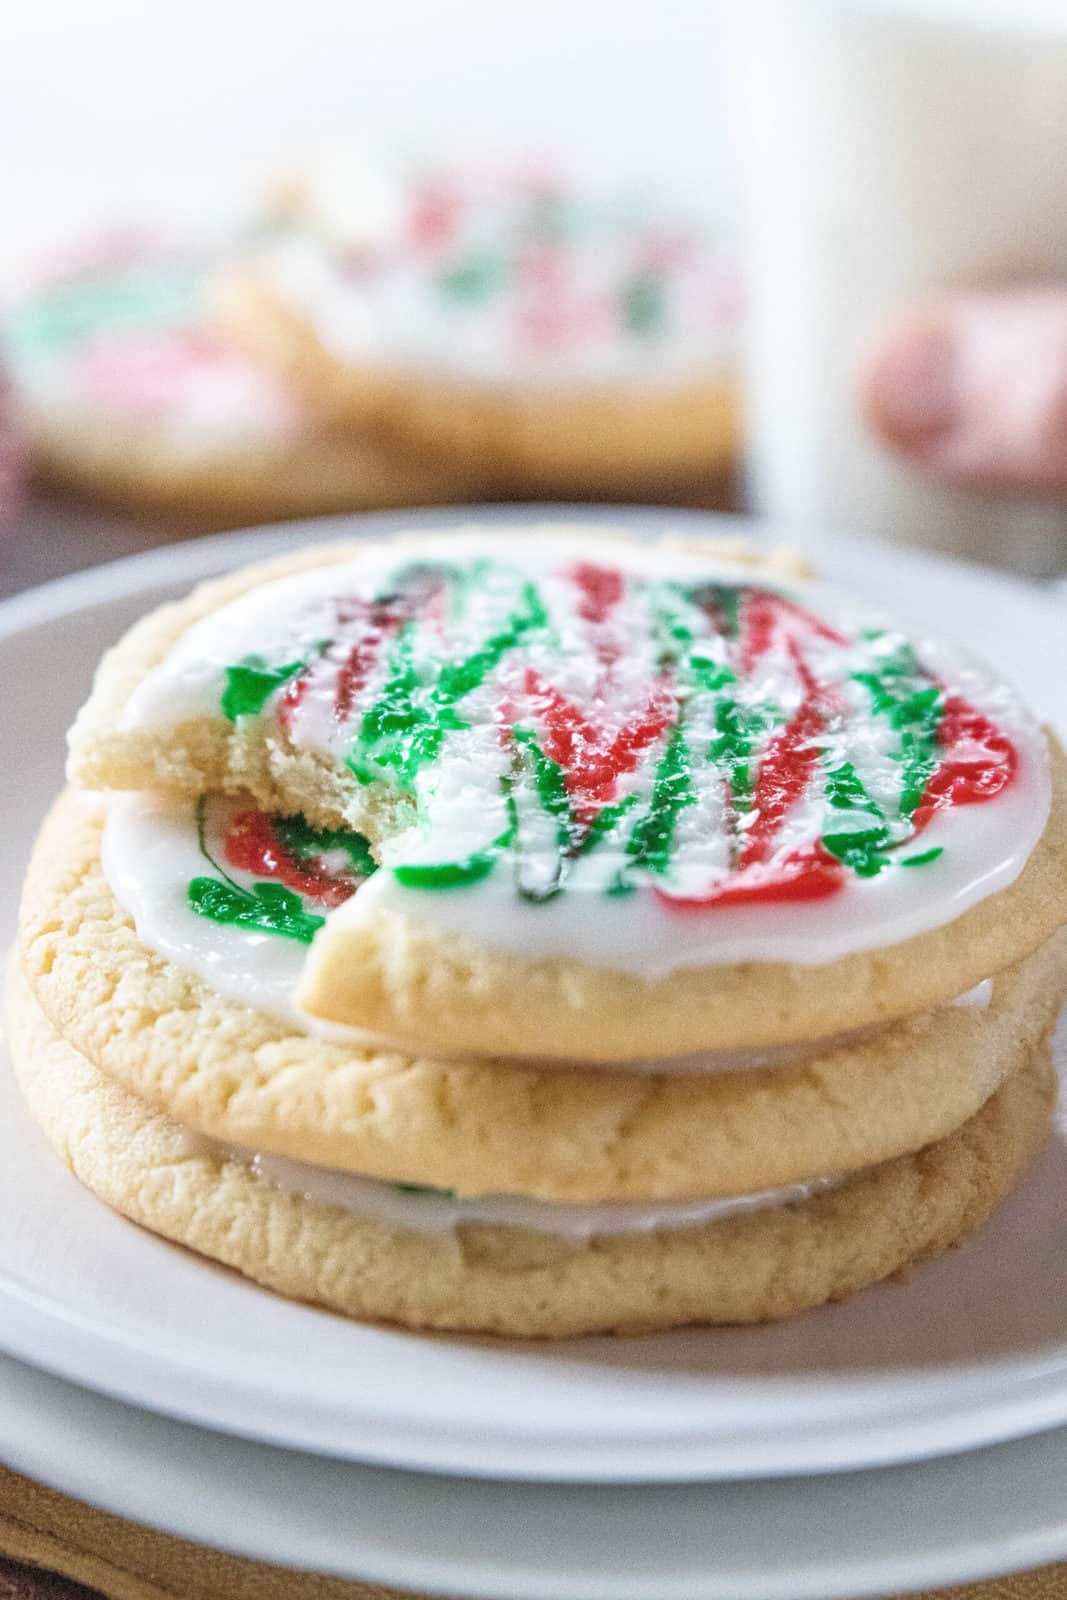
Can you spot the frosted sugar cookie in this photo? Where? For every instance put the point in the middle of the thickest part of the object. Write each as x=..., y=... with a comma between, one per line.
x=171, y=965
x=424, y=1263
x=127, y=389
x=629, y=802
x=565, y=338
x=428, y=1261
x=501, y=1261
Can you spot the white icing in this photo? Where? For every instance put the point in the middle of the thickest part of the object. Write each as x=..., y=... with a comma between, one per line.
x=651, y=939
x=151, y=854
x=438, y=1212
x=353, y=197
x=356, y=267
x=291, y=613
x=131, y=345
x=463, y=809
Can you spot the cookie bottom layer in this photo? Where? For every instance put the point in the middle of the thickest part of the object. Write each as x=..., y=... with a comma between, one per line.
x=754, y=1268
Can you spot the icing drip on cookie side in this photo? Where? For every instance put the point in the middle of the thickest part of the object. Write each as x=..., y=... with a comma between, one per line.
x=641, y=760
x=439, y=1211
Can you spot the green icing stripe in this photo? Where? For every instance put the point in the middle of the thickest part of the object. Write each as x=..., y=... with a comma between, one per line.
x=456, y=681
x=452, y=874
x=922, y=860
x=859, y=847
x=911, y=703
x=550, y=785
x=403, y=731
x=77, y=311
x=652, y=838
x=695, y=634
x=606, y=821
x=267, y=907
x=306, y=842
x=250, y=684
x=474, y=280
x=644, y=306
x=738, y=730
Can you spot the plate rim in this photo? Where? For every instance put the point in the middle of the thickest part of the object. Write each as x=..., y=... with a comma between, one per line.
x=36, y=1453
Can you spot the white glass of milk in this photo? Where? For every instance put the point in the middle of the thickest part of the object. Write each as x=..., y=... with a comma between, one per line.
x=888, y=148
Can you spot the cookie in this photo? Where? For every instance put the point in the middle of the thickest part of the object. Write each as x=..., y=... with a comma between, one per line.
x=631, y=802
x=755, y=1266
x=127, y=390
x=566, y=340
x=203, y=1034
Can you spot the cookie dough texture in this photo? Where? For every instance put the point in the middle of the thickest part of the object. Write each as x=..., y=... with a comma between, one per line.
x=553, y=1133
x=754, y=1268
x=398, y=978
x=567, y=438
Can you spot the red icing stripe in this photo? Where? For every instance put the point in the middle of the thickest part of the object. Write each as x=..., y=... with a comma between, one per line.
x=643, y=730
x=788, y=766
x=601, y=590
x=808, y=874
x=591, y=766
x=378, y=622
x=769, y=617
x=568, y=737
x=290, y=701
x=252, y=845
x=375, y=623
x=436, y=207
x=980, y=764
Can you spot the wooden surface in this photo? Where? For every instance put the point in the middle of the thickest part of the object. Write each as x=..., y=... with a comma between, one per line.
x=20, y=1582
x=68, y=1551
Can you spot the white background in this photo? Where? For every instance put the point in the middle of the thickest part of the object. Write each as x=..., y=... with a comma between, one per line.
x=116, y=107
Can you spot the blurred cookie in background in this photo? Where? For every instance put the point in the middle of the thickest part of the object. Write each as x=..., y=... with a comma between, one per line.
x=560, y=339
x=12, y=456
x=126, y=390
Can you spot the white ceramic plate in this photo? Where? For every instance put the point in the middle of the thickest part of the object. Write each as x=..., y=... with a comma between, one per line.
x=825, y=1538
x=973, y=1350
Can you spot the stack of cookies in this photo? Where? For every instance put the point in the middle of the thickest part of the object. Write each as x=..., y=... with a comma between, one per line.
x=546, y=934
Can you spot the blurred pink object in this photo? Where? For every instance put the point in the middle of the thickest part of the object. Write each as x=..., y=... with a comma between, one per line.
x=108, y=250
